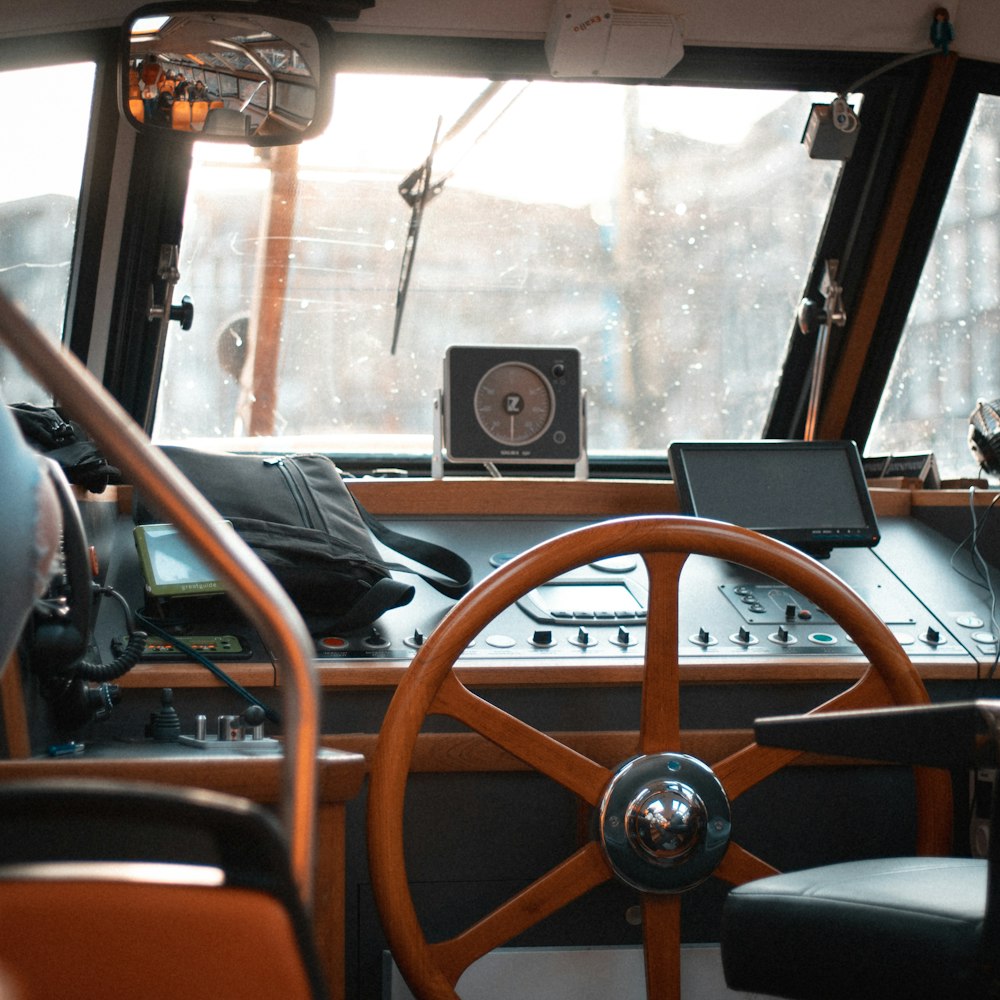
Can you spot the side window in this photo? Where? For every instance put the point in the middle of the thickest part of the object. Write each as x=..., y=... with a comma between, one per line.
x=950, y=353
x=40, y=173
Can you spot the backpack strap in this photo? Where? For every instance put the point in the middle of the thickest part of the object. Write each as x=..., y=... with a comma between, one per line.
x=455, y=577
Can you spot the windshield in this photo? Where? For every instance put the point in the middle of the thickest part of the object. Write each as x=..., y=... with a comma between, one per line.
x=665, y=232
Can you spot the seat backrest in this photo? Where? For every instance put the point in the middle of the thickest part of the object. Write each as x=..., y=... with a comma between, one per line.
x=180, y=115
x=191, y=892
x=226, y=121
x=199, y=109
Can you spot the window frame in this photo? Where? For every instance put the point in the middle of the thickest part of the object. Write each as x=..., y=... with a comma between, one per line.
x=890, y=102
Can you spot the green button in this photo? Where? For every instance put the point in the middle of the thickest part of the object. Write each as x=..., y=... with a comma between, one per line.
x=822, y=639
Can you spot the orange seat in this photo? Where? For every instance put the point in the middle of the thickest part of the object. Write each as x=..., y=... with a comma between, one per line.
x=197, y=885
x=180, y=115
x=137, y=108
x=199, y=109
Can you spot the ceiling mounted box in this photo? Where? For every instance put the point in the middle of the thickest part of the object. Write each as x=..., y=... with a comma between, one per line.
x=585, y=41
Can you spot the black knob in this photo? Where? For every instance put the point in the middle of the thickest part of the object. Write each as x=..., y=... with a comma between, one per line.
x=166, y=725
x=184, y=313
x=254, y=715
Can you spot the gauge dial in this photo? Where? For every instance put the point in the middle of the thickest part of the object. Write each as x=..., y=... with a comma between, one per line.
x=514, y=403
x=511, y=404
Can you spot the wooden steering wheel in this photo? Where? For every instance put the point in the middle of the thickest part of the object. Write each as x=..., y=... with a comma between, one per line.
x=663, y=817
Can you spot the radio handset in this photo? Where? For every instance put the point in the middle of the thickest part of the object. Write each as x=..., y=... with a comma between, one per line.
x=62, y=633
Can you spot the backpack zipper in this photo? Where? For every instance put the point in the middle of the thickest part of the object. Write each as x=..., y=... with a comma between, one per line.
x=295, y=489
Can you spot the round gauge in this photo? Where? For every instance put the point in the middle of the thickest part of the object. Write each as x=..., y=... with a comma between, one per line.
x=514, y=403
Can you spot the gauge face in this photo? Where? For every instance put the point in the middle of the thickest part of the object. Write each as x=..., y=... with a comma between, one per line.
x=514, y=403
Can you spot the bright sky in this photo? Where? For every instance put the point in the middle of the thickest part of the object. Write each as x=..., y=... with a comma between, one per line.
x=568, y=136
x=567, y=148
x=42, y=154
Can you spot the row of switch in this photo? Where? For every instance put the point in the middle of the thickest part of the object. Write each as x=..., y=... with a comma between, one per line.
x=623, y=638
x=782, y=637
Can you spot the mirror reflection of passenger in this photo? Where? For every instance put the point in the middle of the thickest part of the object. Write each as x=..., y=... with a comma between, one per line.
x=164, y=109
x=150, y=73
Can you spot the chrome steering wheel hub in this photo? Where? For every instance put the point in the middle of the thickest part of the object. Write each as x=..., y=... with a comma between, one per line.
x=664, y=822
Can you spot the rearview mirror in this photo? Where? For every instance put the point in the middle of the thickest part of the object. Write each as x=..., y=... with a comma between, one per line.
x=235, y=72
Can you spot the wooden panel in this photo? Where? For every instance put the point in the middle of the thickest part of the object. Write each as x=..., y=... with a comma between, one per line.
x=256, y=777
x=952, y=498
x=561, y=497
x=375, y=674
x=455, y=753
x=190, y=675
x=537, y=497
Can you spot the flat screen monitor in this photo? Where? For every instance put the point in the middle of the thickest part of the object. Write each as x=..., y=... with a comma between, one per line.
x=169, y=566
x=810, y=494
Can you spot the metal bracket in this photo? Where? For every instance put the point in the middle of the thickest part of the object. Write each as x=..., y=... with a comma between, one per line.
x=813, y=318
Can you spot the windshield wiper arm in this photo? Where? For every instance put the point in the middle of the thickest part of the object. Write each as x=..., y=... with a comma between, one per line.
x=417, y=190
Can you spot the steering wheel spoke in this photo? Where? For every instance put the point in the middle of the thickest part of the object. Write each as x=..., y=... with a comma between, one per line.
x=660, y=723
x=578, y=874
x=752, y=764
x=739, y=866
x=546, y=755
x=661, y=934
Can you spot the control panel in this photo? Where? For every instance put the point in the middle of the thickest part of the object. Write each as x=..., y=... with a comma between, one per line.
x=597, y=612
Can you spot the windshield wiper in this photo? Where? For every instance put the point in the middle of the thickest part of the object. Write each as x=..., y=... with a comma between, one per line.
x=417, y=190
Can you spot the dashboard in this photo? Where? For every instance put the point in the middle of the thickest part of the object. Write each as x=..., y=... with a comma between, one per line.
x=595, y=615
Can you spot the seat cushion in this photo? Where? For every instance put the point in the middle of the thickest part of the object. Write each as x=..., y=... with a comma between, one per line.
x=896, y=927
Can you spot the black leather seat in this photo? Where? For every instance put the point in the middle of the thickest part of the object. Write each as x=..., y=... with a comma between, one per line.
x=886, y=927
